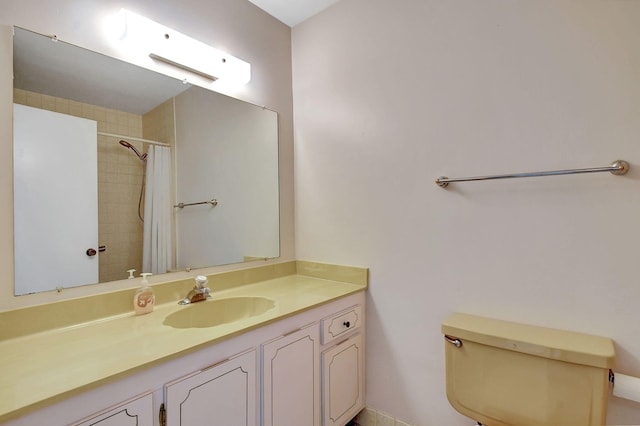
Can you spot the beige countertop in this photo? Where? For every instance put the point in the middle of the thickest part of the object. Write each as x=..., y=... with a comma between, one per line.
x=44, y=367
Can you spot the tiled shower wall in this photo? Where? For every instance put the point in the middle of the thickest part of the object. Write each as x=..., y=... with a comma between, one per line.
x=158, y=124
x=119, y=181
x=120, y=174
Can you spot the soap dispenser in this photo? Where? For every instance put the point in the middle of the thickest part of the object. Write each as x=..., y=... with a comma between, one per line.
x=144, y=299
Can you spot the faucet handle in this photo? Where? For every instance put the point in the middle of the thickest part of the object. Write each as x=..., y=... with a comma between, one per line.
x=206, y=291
x=201, y=281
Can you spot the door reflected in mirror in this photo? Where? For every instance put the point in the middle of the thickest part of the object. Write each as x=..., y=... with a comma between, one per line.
x=157, y=142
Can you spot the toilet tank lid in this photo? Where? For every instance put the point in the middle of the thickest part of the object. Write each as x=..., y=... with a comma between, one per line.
x=561, y=345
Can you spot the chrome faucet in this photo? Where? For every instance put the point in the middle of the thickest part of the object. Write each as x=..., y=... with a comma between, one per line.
x=198, y=293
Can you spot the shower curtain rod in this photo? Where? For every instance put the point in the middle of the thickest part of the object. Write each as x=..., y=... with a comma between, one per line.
x=131, y=138
x=618, y=167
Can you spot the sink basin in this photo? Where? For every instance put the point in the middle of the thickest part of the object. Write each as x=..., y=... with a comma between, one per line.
x=216, y=312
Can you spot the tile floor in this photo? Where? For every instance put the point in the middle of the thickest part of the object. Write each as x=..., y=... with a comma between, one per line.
x=371, y=417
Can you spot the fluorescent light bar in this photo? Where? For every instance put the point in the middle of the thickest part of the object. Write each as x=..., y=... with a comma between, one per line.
x=184, y=67
x=171, y=47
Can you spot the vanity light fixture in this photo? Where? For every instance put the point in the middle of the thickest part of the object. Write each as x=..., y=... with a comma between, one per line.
x=171, y=47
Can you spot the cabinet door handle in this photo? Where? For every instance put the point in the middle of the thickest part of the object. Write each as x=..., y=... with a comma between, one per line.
x=291, y=332
x=162, y=415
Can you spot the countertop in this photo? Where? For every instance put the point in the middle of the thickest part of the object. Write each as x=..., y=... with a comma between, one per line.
x=45, y=367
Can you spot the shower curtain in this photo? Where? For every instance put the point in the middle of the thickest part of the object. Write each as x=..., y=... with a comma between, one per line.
x=157, y=246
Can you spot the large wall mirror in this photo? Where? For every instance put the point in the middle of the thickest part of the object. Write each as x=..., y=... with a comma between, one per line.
x=119, y=168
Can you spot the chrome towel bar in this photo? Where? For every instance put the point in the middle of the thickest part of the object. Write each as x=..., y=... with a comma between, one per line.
x=213, y=203
x=618, y=167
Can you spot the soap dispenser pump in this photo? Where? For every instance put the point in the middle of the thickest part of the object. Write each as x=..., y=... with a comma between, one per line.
x=144, y=299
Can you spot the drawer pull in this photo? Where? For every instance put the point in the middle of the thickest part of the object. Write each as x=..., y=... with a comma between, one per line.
x=346, y=324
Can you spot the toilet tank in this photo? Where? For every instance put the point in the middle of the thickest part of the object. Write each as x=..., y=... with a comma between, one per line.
x=505, y=373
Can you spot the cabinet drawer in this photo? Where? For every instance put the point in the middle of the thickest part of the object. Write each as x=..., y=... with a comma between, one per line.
x=341, y=323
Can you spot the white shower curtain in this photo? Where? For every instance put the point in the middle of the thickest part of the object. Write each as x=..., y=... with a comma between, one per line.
x=157, y=251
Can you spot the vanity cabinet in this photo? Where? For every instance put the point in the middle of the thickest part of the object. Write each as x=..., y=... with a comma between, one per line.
x=291, y=377
x=267, y=376
x=294, y=392
x=134, y=412
x=342, y=366
x=222, y=394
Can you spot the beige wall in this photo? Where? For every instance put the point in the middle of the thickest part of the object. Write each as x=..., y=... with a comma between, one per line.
x=231, y=25
x=390, y=95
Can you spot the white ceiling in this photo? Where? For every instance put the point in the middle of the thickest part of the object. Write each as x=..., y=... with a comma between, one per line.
x=292, y=12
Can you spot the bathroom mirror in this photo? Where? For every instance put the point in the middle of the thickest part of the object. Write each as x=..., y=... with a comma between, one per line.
x=117, y=167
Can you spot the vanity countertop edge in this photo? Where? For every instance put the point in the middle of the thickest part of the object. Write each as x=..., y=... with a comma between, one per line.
x=43, y=368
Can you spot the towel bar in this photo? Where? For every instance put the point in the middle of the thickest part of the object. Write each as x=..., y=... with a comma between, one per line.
x=618, y=167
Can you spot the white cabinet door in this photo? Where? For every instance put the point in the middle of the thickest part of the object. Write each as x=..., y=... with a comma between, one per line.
x=135, y=412
x=55, y=199
x=221, y=395
x=343, y=381
x=291, y=379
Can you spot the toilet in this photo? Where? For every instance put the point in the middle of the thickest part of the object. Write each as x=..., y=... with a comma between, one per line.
x=502, y=373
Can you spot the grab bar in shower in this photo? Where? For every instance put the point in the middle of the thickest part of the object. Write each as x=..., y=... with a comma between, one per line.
x=213, y=203
x=618, y=167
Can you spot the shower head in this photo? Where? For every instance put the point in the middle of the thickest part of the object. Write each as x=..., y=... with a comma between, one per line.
x=141, y=156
